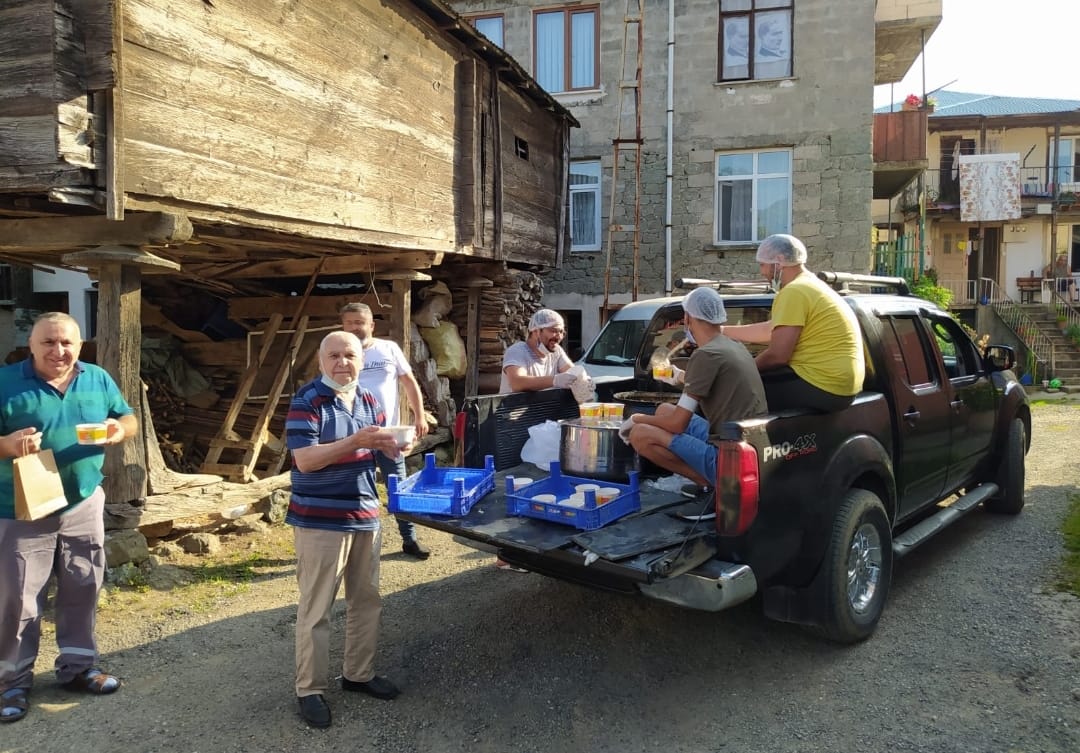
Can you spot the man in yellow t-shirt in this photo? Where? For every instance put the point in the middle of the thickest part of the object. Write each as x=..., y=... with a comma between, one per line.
x=813, y=336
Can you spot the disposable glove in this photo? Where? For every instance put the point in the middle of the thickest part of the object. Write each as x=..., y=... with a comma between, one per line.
x=624, y=429
x=676, y=378
x=563, y=380
x=583, y=388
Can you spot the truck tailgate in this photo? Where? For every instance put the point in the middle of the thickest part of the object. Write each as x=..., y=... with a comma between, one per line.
x=639, y=548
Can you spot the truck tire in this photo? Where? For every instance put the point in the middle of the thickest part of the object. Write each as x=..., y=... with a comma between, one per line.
x=1010, y=477
x=857, y=569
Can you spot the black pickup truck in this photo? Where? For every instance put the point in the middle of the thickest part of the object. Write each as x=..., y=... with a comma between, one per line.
x=811, y=509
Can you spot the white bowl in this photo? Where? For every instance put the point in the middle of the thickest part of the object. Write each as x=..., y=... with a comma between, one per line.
x=403, y=435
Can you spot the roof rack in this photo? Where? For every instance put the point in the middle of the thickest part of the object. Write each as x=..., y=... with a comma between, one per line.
x=750, y=286
x=844, y=282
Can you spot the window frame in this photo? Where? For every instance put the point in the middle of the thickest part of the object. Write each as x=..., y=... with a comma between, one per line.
x=473, y=18
x=568, y=11
x=754, y=177
x=598, y=190
x=751, y=14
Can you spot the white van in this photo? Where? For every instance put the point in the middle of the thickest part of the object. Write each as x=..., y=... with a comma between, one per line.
x=612, y=353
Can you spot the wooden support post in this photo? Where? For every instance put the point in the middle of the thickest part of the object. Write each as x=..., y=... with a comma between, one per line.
x=119, y=340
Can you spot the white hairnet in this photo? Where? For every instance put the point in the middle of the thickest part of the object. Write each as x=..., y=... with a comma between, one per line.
x=545, y=318
x=782, y=249
x=705, y=304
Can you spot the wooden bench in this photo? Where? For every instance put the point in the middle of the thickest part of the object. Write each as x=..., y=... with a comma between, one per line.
x=1029, y=287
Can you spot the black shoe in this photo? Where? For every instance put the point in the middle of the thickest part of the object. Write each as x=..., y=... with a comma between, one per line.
x=693, y=491
x=314, y=711
x=414, y=548
x=379, y=687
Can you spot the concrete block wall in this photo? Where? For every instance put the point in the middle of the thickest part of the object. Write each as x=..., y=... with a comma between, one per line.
x=823, y=113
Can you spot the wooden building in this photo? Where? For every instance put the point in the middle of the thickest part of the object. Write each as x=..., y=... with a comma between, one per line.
x=259, y=148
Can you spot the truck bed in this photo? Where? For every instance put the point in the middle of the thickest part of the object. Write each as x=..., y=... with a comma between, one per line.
x=640, y=548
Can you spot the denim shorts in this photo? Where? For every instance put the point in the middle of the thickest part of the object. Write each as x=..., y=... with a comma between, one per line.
x=694, y=448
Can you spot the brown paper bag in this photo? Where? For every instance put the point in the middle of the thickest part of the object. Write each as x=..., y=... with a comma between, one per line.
x=38, y=489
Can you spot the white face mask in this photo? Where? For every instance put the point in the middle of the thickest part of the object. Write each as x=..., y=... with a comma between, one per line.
x=777, y=269
x=690, y=336
x=347, y=387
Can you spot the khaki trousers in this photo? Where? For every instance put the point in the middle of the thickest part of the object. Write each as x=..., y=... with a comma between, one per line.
x=323, y=560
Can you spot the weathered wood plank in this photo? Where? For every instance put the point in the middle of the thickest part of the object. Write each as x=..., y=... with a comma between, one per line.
x=305, y=112
x=29, y=140
x=320, y=306
x=149, y=229
x=26, y=55
x=366, y=264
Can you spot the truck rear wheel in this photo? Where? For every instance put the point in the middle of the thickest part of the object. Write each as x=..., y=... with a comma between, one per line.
x=858, y=569
x=1010, y=479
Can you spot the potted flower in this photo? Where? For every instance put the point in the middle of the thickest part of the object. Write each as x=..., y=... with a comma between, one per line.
x=929, y=104
x=912, y=102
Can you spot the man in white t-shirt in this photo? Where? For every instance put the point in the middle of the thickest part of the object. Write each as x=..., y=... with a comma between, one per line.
x=538, y=362
x=386, y=369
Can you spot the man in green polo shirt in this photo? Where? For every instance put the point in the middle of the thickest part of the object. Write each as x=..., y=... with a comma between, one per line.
x=41, y=401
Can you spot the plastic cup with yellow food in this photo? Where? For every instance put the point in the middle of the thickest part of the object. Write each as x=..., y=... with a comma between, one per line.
x=94, y=434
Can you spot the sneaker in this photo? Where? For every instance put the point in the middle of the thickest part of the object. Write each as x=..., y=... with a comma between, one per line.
x=415, y=549
x=693, y=491
x=377, y=687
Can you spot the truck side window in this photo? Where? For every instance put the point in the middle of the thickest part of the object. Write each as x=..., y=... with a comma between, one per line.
x=905, y=345
x=957, y=350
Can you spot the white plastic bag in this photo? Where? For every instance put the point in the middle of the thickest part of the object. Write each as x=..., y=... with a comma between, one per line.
x=542, y=446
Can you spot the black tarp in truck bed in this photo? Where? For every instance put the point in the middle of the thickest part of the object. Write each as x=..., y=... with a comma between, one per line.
x=631, y=550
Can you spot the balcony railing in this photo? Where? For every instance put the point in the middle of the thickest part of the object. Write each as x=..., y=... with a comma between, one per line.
x=1036, y=183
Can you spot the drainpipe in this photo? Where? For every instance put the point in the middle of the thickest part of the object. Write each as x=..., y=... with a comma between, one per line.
x=669, y=168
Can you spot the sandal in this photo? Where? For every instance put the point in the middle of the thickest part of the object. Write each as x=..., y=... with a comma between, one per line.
x=94, y=681
x=13, y=705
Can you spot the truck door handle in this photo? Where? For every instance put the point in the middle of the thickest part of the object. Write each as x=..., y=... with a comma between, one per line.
x=912, y=415
x=957, y=405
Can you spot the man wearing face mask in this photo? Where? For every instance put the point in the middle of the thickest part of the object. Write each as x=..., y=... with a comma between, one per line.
x=333, y=430
x=539, y=361
x=720, y=379
x=815, y=348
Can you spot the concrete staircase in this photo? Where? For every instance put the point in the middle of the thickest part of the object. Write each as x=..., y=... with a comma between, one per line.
x=1066, y=355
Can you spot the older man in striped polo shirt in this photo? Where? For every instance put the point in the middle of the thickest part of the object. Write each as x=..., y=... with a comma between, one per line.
x=333, y=429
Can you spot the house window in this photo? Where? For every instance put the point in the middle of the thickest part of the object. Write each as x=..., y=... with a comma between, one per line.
x=566, y=48
x=755, y=39
x=753, y=195
x=491, y=26
x=585, y=206
x=1067, y=163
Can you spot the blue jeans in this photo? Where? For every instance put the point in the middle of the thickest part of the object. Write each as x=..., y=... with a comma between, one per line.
x=396, y=465
x=694, y=448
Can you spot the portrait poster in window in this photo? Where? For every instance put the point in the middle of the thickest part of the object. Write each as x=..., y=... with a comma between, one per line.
x=772, y=51
x=736, y=58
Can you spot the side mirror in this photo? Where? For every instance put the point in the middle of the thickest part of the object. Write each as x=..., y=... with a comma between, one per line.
x=999, y=357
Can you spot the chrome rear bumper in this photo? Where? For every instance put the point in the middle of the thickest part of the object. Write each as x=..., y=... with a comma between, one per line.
x=712, y=587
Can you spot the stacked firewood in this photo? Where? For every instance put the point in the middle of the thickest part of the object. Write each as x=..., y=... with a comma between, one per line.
x=505, y=309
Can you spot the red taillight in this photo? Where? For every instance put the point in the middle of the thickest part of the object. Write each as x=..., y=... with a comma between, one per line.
x=736, y=488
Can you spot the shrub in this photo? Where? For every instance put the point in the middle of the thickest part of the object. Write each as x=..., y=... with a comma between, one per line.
x=926, y=287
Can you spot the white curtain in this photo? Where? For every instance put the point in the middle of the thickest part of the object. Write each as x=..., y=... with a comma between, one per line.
x=582, y=57
x=550, y=51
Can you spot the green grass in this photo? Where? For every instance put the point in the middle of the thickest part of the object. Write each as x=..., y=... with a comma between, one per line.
x=1070, y=567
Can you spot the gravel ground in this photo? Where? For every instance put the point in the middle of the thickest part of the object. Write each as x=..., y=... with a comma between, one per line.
x=975, y=653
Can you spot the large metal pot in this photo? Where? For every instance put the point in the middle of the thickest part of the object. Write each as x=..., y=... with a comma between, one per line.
x=595, y=452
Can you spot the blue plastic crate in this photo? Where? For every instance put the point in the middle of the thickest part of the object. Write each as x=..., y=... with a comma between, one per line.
x=441, y=491
x=589, y=518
